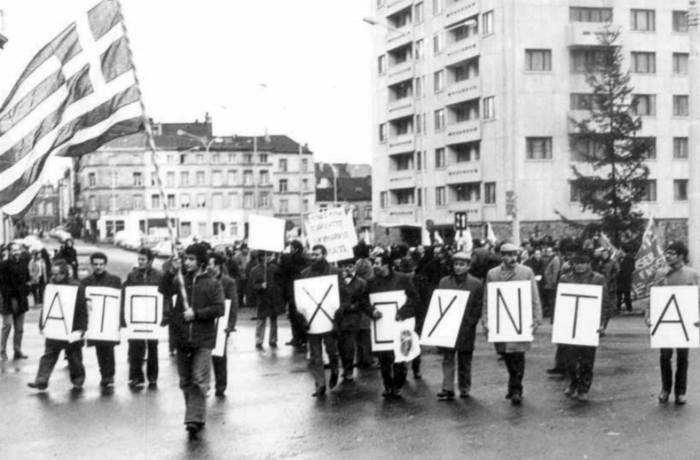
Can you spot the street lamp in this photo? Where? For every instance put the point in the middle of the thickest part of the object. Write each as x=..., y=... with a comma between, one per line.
x=201, y=139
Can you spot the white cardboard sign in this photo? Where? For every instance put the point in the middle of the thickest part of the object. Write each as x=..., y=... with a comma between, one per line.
x=58, y=312
x=333, y=229
x=384, y=329
x=406, y=341
x=510, y=311
x=266, y=233
x=577, y=314
x=103, y=314
x=318, y=299
x=143, y=312
x=221, y=335
x=444, y=318
x=673, y=311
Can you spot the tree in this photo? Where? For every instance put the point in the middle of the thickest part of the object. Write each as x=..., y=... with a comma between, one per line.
x=611, y=176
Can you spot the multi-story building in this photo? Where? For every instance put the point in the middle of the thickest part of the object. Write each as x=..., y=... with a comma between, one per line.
x=474, y=100
x=211, y=184
x=44, y=214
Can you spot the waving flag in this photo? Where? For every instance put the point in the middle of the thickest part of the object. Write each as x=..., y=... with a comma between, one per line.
x=76, y=94
x=650, y=263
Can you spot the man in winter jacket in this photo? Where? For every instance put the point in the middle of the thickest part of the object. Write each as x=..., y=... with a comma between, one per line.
x=105, y=350
x=60, y=274
x=267, y=296
x=464, y=347
x=349, y=318
x=194, y=329
x=15, y=285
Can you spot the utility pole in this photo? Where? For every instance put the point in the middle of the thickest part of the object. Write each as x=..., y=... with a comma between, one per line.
x=694, y=138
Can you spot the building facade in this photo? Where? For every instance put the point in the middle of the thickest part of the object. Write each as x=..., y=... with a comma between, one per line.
x=44, y=214
x=211, y=185
x=474, y=101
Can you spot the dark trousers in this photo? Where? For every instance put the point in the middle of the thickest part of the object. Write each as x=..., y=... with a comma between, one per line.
x=347, y=345
x=241, y=292
x=681, y=370
x=393, y=374
x=560, y=358
x=464, y=370
x=219, y=363
x=549, y=298
x=364, y=347
x=194, y=367
x=105, y=359
x=74, y=355
x=579, y=365
x=625, y=294
x=296, y=322
x=137, y=353
x=8, y=322
x=515, y=362
x=38, y=292
x=316, y=350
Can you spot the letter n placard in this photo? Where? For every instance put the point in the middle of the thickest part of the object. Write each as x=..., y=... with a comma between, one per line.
x=673, y=311
x=577, y=314
x=510, y=311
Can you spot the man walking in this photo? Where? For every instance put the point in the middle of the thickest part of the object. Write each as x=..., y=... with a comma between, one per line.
x=15, y=284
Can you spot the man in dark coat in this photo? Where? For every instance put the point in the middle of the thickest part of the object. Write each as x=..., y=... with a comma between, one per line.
x=624, y=278
x=52, y=349
x=267, y=297
x=464, y=346
x=15, y=286
x=290, y=268
x=105, y=350
x=194, y=330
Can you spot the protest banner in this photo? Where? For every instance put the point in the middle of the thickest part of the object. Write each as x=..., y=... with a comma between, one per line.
x=577, y=314
x=673, y=312
x=335, y=230
x=221, y=334
x=103, y=313
x=58, y=312
x=649, y=263
x=383, y=330
x=143, y=312
x=266, y=233
x=406, y=341
x=318, y=299
x=510, y=311
x=444, y=318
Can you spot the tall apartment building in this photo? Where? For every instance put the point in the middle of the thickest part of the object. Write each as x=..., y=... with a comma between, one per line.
x=474, y=99
x=210, y=190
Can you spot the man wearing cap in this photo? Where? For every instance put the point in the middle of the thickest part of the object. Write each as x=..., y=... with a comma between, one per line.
x=464, y=346
x=513, y=352
x=579, y=359
x=678, y=274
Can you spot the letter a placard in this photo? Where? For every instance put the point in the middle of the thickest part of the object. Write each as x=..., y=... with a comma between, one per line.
x=510, y=311
x=318, y=299
x=673, y=311
x=444, y=318
x=103, y=314
x=577, y=314
x=58, y=311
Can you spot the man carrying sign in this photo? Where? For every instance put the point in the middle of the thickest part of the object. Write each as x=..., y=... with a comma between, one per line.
x=513, y=352
x=74, y=354
x=104, y=350
x=464, y=347
x=678, y=275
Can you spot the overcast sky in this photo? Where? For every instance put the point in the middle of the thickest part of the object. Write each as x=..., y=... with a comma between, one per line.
x=198, y=56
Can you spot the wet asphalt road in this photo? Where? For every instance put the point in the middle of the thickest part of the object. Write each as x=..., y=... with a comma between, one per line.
x=268, y=412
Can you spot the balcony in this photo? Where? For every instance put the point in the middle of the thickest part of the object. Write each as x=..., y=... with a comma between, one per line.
x=401, y=213
x=473, y=210
x=467, y=131
x=402, y=179
x=399, y=73
x=468, y=171
x=401, y=144
x=395, y=39
x=394, y=6
x=583, y=33
x=462, y=50
x=460, y=11
x=401, y=108
x=463, y=91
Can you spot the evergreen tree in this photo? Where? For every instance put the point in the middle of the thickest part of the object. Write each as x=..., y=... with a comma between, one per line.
x=611, y=177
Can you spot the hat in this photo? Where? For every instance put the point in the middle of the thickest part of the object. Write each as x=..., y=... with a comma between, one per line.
x=462, y=256
x=509, y=247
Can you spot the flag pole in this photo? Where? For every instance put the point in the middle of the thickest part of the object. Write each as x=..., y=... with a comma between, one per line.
x=152, y=147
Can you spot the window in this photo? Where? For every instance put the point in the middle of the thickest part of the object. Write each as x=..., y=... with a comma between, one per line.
x=467, y=152
x=231, y=178
x=680, y=106
x=403, y=126
x=440, y=196
x=383, y=200
x=467, y=192
x=419, y=197
x=680, y=63
x=217, y=201
x=419, y=160
x=248, y=157
x=582, y=101
x=574, y=193
x=92, y=203
x=154, y=179
x=382, y=132
x=650, y=191
x=216, y=158
x=440, y=158
x=201, y=200
x=263, y=158
x=284, y=206
x=184, y=179
x=170, y=179
x=489, y=108
x=233, y=201
x=643, y=20
x=304, y=165
x=649, y=144
x=184, y=201
x=489, y=193
x=171, y=201
x=305, y=205
x=264, y=178
x=439, y=80
x=418, y=125
x=155, y=201
x=538, y=60
x=248, y=200
x=439, y=119
x=578, y=14
x=438, y=42
x=404, y=162
x=217, y=179
x=680, y=148
x=138, y=179
x=404, y=197
x=49, y=209
x=92, y=181
x=233, y=229
x=283, y=165
x=381, y=64
x=585, y=60
x=171, y=159
x=248, y=178
x=583, y=149
x=283, y=185
x=680, y=21
x=420, y=49
x=419, y=86
x=200, y=158
x=487, y=22
x=680, y=190
x=368, y=212
x=418, y=13
x=643, y=62
x=438, y=5
x=200, y=178
x=645, y=105
x=138, y=202
x=305, y=185
x=201, y=228
x=539, y=148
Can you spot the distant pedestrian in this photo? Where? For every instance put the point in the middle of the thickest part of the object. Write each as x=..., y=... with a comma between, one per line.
x=624, y=278
x=15, y=286
x=267, y=297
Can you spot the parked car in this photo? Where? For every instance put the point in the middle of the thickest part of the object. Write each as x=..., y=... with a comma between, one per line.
x=122, y=237
x=163, y=249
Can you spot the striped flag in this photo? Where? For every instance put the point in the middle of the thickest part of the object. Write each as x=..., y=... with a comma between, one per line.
x=76, y=94
x=650, y=263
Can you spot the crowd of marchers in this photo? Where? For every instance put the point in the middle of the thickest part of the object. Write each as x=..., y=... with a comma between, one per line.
x=197, y=282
